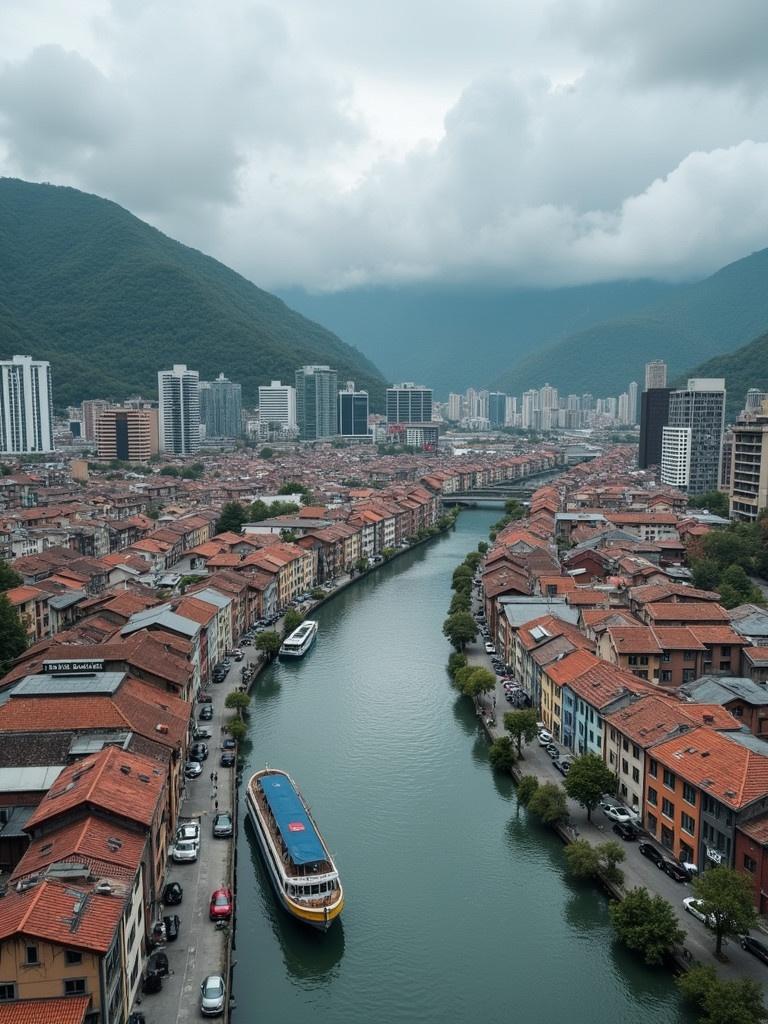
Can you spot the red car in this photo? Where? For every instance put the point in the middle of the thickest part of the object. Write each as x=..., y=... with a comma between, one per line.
x=221, y=905
x=203, y=697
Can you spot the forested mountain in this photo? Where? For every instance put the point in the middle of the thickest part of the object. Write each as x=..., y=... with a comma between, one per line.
x=110, y=300
x=462, y=335
x=703, y=320
x=743, y=369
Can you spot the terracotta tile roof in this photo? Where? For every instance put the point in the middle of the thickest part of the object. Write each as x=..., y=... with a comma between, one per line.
x=756, y=654
x=92, y=839
x=653, y=717
x=585, y=596
x=718, y=635
x=721, y=767
x=49, y=911
x=678, y=638
x=569, y=668
x=686, y=611
x=633, y=640
x=56, y=713
x=756, y=829
x=102, y=781
x=57, y=1010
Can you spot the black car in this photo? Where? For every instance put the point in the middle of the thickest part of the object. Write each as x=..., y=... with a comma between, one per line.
x=198, y=752
x=754, y=946
x=650, y=851
x=171, y=923
x=227, y=759
x=675, y=870
x=172, y=894
x=158, y=965
x=228, y=744
x=206, y=713
x=626, y=830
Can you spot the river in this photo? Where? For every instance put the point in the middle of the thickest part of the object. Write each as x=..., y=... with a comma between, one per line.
x=457, y=905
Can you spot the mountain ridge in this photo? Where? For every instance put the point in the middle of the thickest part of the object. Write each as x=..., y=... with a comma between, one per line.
x=110, y=300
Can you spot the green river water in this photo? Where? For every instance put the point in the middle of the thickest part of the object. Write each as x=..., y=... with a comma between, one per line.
x=458, y=908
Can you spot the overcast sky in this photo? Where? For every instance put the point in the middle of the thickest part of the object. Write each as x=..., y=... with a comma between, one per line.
x=330, y=143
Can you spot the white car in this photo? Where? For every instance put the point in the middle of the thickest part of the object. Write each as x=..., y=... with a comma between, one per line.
x=545, y=738
x=490, y=648
x=693, y=906
x=212, y=993
x=621, y=814
x=185, y=850
x=192, y=769
x=189, y=830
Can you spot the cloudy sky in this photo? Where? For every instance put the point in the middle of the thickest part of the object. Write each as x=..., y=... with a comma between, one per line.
x=332, y=143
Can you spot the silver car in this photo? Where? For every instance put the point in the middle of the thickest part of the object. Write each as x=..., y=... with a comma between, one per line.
x=212, y=994
x=184, y=850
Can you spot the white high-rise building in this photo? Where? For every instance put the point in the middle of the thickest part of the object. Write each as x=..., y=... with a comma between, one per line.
x=510, y=411
x=179, y=410
x=26, y=408
x=530, y=410
x=700, y=408
x=277, y=405
x=632, y=393
x=676, y=456
x=454, y=407
x=655, y=375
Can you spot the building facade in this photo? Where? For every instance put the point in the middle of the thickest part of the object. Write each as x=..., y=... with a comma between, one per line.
x=179, y=412
x=26, y=407
x=127, y=434
x=409, y=403
x=748, y=483
x=655, y=375
x=277, y=406
x=654, y=416
x=317, y=409
x=353, y=412
x=693, y=465
x=220, y=407
x=90, y=410
x=497, y=409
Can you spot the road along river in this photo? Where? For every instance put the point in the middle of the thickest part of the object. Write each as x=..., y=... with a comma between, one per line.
x=458, y=908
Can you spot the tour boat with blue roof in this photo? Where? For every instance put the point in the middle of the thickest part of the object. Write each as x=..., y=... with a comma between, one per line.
x=301, y=639
x=298, y=862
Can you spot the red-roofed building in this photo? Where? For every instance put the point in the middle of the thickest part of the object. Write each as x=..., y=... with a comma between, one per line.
x=54, y=1010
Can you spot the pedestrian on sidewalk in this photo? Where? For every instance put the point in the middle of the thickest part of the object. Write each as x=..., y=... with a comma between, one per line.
x=216, y=805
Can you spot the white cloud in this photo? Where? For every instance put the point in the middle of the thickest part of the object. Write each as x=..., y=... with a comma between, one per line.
x=340, y=143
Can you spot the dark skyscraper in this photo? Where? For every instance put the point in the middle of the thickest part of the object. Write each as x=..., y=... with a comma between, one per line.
x=317, y=402
x=497, y=408
x=353, y=412
x=654, y=415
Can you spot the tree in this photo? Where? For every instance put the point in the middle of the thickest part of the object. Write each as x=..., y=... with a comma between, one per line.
x=610, y=855
x=706, y=573
x=462, y=577
x=714, y=501
x=526, y=787
x=13, y=636
x=237, y=701
x=461, y=629
x=513, y=509
x=646, y=924
x=582, y=859
x=737, y=588
x=455, y=662
x=548, y=803
x=473, y=559
x=482, y=547
x=521, y=726
x=502, y=755
x=232, y=517
x=479, y=681
x=723, y=1002
x=269, y=642
x=726, y=898
x=9, y=578
x=291, y=620
x=237, y=729
x=361, y=564
x=460, y=602
x=266, y=452
x=588, y=779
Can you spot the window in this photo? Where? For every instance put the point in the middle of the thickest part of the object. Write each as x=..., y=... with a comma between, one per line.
x=667, y=808
x=689, y=655
x=611, y=757
x=666, y=656
x=653, y=822
x=653, y=796
x=725, y=665
x=74, y=987
x=32, y=957
x=635, y=774
x=623, y=790
x=737, y=711
x=666, y=676
x=688, y=823
x=688, y=675
x=7, y=991
x=653, y=768
x=749, y=864
x=725, y=651
x=73, y=956
x=689, y=794
x=669, y=779
x=635, y=751
x=624, y=766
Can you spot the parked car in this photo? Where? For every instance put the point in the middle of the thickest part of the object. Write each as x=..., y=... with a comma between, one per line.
x=172, y=894
x=158, y=964
x=221, y=905
x=227, y=759
x=563, y=765
x=239, y=656
x=204, y=698
x=228, y=744
x=649, y=850
x=212, y=995
x=206, y=713
x=553, y=750
x=184, y=850
x=490, y=648
x=754, y=946
x=222, y=825
x=192, y=769
x=202, y=732
x=172, y=924
x=693, y=906
x=617, y=813
x=676, y=871
x=151, y=983
x=189, y=830
x=198, y=752
x=545, y=738
x=626, y=830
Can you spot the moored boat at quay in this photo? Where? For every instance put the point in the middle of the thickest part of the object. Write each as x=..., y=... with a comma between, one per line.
x=301, y=639
x=299, y=865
